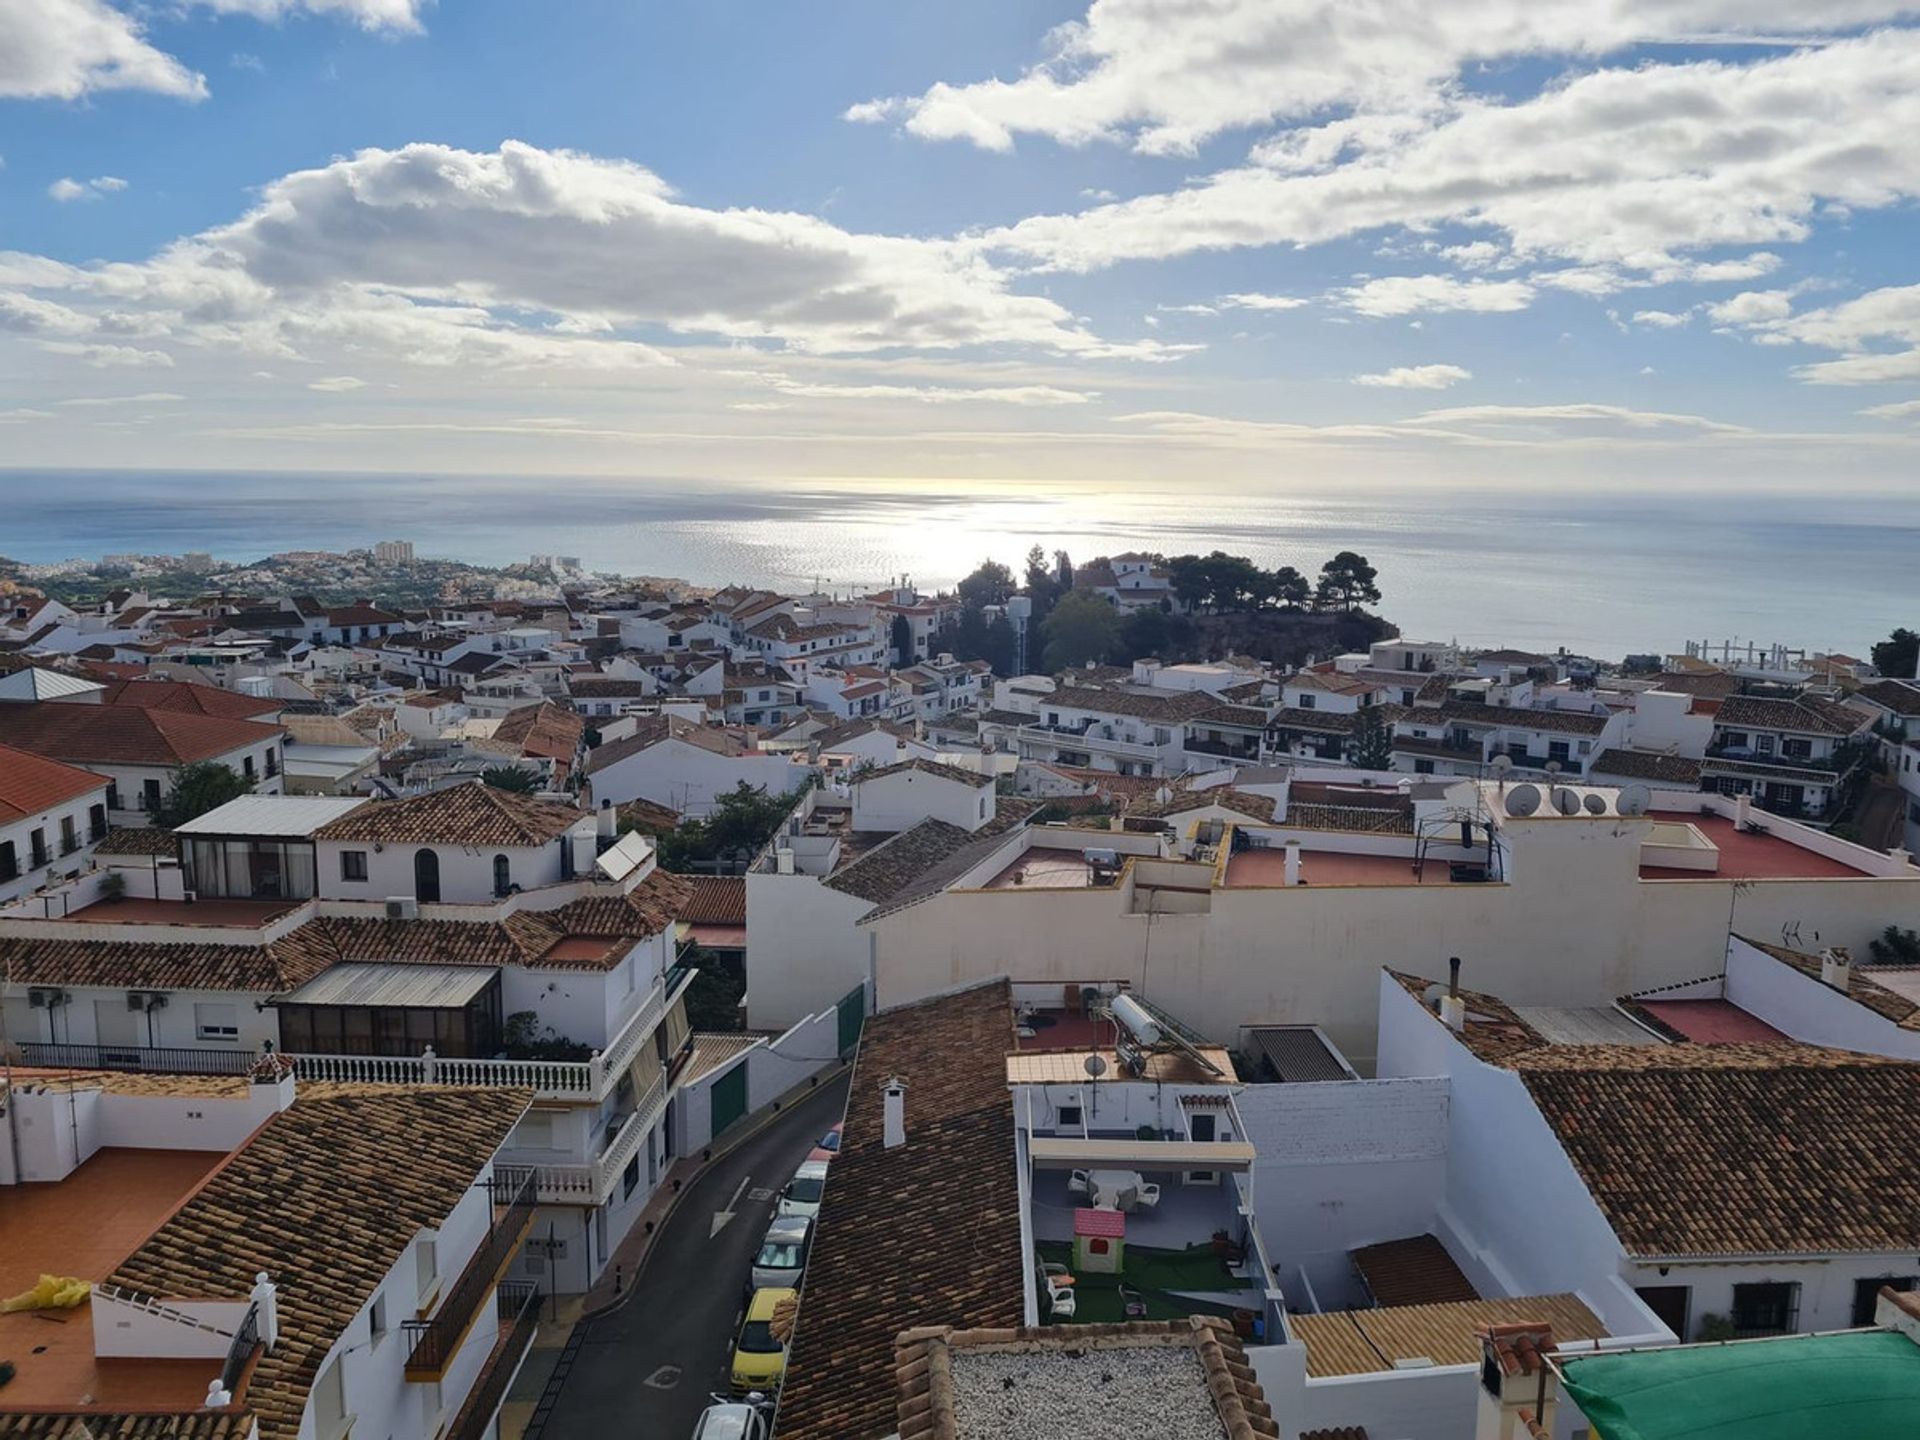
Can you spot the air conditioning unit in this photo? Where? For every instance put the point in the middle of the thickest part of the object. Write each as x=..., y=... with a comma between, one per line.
x=402, y=907
x=46, y=997
x=146, y=1000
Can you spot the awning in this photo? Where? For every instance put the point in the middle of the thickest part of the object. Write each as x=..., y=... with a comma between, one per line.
x=1863, y=1385
x=1051, y=1152
x=406, y=987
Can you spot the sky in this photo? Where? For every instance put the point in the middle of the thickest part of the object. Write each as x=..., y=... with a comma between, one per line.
x=1640, y=244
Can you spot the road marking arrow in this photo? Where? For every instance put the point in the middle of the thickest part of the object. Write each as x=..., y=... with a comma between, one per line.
x=721, y=1217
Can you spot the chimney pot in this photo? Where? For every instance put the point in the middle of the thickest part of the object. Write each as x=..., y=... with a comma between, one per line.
x=1453, y=975
x=893, y=1096
x=1453, y=1013
x=1836, y=967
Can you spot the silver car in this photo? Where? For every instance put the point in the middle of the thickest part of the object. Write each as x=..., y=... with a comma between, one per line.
x=783, y=1253
x=802, y=1195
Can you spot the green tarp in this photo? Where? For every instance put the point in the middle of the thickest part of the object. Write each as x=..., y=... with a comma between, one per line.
x=1862, y=1386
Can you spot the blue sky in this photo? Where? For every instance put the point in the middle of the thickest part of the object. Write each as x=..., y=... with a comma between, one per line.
x=1516, y=242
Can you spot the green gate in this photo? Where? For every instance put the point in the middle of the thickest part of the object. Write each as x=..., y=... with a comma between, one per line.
x=853, y=1015
x=728, y=1098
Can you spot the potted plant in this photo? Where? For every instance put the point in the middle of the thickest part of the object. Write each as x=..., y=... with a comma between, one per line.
x=113, y=886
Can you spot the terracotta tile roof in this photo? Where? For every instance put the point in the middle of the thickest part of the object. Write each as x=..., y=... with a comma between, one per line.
x=1338, y=1432
x=282, y=965
x=716, y=900
x=655, y=728
x=648, y=817
x=193, y=699
x=712, y=1049
x=1414, y=1271
x=1804, y=714
x=137, y=840
x=316, y=1200
x=1331, y=682
x=1361, y=1342
x=924, y=1375
x=1167, y=705
x=1707, y=684
x=969, y=778
x=228, y=1425
x=1863, y=986
x=608, y=687
x=1247, y=717
x=473, y=814
x=927, y=1233
x=542, y=729
x=1738, y=1149
x=1495, y=1031
x=1902, y=697
x=127, y=734
x=1639, y=765
x=31, y=784
x=923, y=860
x=1325, y=722
x=1254, y=807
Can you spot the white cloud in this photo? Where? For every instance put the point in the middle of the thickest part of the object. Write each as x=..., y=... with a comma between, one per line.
x=107, y=357
x=1166, y=75
x=1413, y=294
x=524, y=256
x=921, y=394
x=150, y=397
x=1662, y=319
x=1752, y=307
x=1584, y=414
x=1759, y=263
x=1416, y=377
x=65, y=49
x=1899, y=410
x=1625, y=168
x=1476, y=255
x=337, y=384
x=68, y=189
x=1248, y=300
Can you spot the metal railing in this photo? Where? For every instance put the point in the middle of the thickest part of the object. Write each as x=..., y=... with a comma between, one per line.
x=592, y=1183
x=148, y=1059
x=433, y=1342
x=518, y=1307
x=245, y=1341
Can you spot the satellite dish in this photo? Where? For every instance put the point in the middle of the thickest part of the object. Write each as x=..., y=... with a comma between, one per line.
x=1553, y=767
x=1595, y=805
x=1163, y=794
x=1501, y=764
x=1523, y=800
x=1635, y=799
x=1567, y=802
x=1095, y=1066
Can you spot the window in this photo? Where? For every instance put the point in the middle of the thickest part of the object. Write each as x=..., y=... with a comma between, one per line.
x=96, y=822
x=1767, y=1308
x=1306, y=702
x=1797, y=749
x=377, y=1317
x=502, y=875
x=113, y=795
x=69, y=835
x=1766, y=745
x=1866, y=1294
x=273, y=762
x=426, y=876
x=353, y=865
x=9, y=860
x=38, y=840
x=426, y=1268
x=215, y=1020
x=1069, y=1115
x=1669, y=1303
x=630, y=1177
x=246, y=768
x=149, y=794
x=983, y=807
x=330, y=1402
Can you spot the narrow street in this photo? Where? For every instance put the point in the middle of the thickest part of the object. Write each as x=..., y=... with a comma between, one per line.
x=647, y=1369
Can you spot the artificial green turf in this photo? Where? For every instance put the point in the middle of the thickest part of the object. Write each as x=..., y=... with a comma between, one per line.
x=1153, y=1273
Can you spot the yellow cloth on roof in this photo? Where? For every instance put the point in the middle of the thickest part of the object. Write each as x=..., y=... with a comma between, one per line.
x=54, y=1292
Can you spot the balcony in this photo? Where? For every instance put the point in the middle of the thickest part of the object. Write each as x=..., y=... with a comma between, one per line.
x=585, y=1080
x=141, y=1059
x=518, y=1307
x=592, y=1183
x=433, y=1343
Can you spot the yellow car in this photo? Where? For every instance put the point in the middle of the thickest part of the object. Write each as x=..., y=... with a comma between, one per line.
x=760, y=1353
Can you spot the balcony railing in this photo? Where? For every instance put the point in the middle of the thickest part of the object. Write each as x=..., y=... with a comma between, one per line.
x=147, y=1059
x=435, y=1342
x=245, y=1341
x=592, y=1183
x=518, y=1307
x=551, y=1079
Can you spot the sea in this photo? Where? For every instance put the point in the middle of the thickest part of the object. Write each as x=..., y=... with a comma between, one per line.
x=1601, y=574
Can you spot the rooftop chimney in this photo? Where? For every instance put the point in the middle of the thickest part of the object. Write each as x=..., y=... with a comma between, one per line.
x=893, y=1097
x=1453, y=1009
x=1742, y=811
x=1293, y=862
x=608, y=822
x=1836, y=967
x=1519, y=1394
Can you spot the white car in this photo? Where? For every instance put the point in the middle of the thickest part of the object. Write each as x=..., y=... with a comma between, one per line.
x=732, y=1422
x=802, y=1195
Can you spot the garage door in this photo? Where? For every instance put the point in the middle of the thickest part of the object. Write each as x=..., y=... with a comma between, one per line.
x=729, y=1097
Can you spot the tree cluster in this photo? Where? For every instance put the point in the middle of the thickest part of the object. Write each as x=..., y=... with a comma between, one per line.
x=742, y=820
x=194, y=789
x=1898, y=656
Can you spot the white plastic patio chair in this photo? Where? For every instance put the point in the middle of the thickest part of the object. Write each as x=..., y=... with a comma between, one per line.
x=1146, y=1197
x=1080, y=1182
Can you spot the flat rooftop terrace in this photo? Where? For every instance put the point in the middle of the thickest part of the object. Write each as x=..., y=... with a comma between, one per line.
x=226, y=914
x=1746, y=855
x=84, y=1226
x=1045, y=869
x=1714, y=1022
x=1252, y=868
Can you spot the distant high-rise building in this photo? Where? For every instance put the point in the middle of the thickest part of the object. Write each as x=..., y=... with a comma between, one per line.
x=394, y=552
x=197, y=560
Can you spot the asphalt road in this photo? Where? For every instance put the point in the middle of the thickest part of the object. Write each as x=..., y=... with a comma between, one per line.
x=647, y=1370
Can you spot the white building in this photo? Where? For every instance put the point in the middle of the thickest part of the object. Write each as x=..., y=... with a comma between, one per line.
x=683, y=766
x=51, y=815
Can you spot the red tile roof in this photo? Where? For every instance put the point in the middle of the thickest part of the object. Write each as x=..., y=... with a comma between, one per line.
x=1712, y=1022
x=30, y=784
x=127, y=734
x=195, y=699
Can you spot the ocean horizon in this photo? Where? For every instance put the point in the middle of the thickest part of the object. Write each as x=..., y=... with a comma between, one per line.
x=1602, y=574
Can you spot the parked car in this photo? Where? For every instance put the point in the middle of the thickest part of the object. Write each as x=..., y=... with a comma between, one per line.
x=783, y=1254
x=759, y=1358
x=803, y=1192
x=734, y=1421
x=829, y=1145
